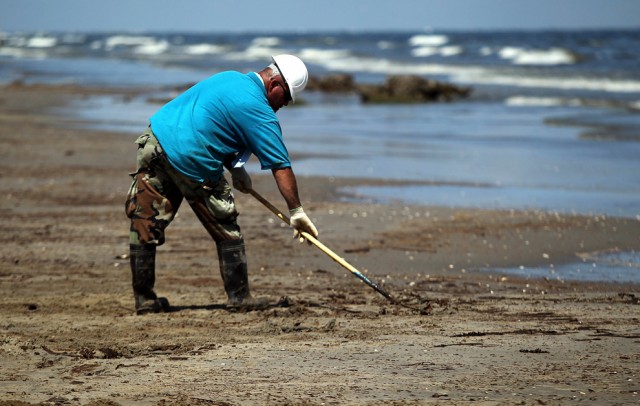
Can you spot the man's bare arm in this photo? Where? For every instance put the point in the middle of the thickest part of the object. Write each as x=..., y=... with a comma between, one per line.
x=288, y=186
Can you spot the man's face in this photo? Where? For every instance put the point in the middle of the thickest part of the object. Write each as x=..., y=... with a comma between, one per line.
x=278, y=93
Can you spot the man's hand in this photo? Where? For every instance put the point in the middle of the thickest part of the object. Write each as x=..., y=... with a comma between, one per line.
x=301, y=222
x=241, y=179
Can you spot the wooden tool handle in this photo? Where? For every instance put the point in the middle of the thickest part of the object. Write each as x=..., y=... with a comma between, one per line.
x=321, y=246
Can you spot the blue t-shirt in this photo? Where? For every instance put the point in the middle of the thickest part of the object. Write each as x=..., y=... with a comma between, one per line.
x=225, y=114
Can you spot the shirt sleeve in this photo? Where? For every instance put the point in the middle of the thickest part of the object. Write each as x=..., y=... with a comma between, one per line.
x=264, y=139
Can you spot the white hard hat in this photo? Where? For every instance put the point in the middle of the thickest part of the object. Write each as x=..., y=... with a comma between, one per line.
x=294, y=73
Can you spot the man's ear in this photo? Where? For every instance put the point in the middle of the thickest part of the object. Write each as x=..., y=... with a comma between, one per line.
x=270, y=85
x=273, y=82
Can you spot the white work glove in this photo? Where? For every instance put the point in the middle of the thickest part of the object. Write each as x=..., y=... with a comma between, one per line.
x=241, y=179
x=301, y=222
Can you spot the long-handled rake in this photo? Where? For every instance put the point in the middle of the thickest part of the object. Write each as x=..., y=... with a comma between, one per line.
x=325, y=249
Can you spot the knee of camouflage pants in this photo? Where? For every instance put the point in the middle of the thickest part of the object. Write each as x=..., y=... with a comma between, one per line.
x=215, y=208
x=149, y=211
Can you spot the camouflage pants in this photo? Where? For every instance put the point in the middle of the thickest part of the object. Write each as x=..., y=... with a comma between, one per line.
x=158, y=189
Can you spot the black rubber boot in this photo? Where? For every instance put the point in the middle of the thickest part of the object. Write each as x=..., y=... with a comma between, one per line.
x=143, y=277
x=233, y=268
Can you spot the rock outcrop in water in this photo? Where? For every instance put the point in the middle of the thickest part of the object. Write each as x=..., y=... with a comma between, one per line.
x=395, y=89
x=337, y=83
x=411, y=89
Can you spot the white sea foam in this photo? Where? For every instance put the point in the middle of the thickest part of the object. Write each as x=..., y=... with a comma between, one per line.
x=322, y=55
x=344, y=61
x=541, y=101
x=573, y=83
x=254, y=53
x=152, y=48
x=260, y=52
x=508, y=52
x=205, y=49
x=266, y=41
x=426, y=51
x=128, y=40
x=570, y=101
x=552, y=56
x=428, y=40
x=261, y=48
x=13, y=52
x=470, y=75
x=142, y=45
x=18, y=53
x=389, y=67
x=451, y=50
x=10, y=51
x=430, y=45
x=42, y=42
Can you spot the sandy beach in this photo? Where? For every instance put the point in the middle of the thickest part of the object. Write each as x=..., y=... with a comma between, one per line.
x=69, y=333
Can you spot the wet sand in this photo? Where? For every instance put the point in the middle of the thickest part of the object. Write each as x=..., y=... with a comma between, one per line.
x=69, y=335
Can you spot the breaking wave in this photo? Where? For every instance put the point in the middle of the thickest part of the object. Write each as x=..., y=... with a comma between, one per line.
x=552, y=56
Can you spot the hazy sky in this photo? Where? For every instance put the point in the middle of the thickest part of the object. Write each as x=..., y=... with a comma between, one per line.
x=314, y=15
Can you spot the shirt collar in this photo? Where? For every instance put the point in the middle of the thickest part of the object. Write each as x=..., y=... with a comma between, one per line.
x=256, y=78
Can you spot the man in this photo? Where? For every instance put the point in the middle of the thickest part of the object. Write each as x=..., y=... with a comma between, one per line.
x=218, y=123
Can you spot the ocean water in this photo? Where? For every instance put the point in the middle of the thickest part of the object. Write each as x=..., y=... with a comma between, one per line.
x=616, y=267
x=553, y=122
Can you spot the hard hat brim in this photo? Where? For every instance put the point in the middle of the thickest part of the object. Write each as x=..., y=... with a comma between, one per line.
x=291, y=92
